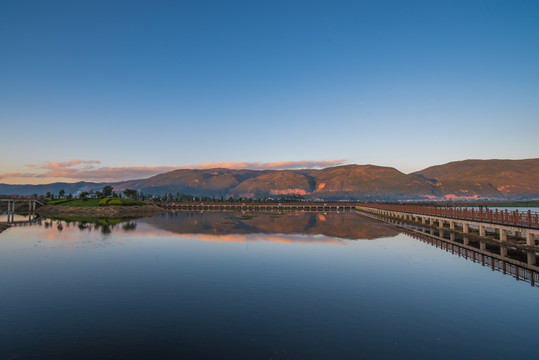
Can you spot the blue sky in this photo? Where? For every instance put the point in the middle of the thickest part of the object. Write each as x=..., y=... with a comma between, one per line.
x=118, y=86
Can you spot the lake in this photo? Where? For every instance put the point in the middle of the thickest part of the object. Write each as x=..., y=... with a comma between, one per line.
x=258, y=286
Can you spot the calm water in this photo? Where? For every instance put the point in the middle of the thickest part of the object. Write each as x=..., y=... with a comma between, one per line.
x=214, y=285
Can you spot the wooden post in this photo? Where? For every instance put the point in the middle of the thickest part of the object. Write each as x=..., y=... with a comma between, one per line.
x=530, y=238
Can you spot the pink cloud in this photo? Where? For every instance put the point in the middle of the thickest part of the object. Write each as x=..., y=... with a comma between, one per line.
x=76, y=169
x=73, y=162
x=281, y=165
x=19, y=175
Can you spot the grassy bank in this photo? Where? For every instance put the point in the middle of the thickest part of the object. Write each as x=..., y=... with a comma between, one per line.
x=95, y=202
x=103, y=208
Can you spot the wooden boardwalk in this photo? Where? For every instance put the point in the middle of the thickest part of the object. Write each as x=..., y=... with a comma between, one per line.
x=525, y=219
x=519, y=224
x=304, y=206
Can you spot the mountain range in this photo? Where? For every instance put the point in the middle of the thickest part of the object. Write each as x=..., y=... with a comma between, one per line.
x=459, y=180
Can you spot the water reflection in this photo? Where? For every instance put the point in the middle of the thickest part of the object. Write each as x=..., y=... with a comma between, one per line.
x=103, y=225
x=342, y=226
x=227, y=227
x=518, y=261
x=307, y=228
x=151, y=288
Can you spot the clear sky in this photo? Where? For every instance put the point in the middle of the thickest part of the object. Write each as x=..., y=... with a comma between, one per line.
x=123, y=89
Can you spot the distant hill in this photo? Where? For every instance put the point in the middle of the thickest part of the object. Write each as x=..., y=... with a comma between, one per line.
x=361, y=182
x=468, y=179
x=212, y=182
x=369, y=182
x=69, y=188
x=503, y=179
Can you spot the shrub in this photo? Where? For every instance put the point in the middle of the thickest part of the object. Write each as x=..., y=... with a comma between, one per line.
x=58, y=202
x=110, y=201
x=103, y=202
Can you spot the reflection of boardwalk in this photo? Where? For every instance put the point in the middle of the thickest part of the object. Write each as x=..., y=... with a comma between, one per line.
x=510, y=260
x=519, y=270
x=11, y=219
x=11, y=203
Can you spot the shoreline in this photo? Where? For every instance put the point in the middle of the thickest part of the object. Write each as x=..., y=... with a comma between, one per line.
x=99, y=211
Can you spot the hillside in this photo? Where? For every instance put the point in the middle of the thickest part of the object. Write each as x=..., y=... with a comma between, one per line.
x=468, y=179
x=212, y=182
x=510, y=179
x=369, y=182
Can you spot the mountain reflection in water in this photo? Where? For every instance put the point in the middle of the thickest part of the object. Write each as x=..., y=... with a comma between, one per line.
x=154, y=288
x=234, y=227
x=337, y=225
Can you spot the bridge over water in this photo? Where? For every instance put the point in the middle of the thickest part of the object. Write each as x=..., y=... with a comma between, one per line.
x=281, y=207
x=520, y=224
x=11, y=203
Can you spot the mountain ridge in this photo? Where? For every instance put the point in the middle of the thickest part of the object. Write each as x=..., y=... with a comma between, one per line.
x=467, y=179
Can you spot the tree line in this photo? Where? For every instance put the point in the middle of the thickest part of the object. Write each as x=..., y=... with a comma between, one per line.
x=108, y=191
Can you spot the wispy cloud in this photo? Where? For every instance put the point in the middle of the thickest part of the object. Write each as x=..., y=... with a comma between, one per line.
x=19, y=175
x=302, y=164
x=92, y=171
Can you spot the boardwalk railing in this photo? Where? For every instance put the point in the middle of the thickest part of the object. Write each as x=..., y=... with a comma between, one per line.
x=507, y=266
x=256, y=206
x=525, y=219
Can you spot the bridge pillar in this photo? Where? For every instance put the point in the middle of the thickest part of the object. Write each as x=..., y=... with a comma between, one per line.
x=440, y=223
x=482, y=246
x=431, y=221
x=423, y=220
x=465, y=228
x=530, y=238
x=503, y=251
x=452, y=225
x=503, y=234
x=452, y=236
x=465, y=241
x=532, y=259
x=481, y=230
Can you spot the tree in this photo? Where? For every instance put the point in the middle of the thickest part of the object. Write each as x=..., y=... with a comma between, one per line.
x=107, y=191
x=130, y=194
x=61, y=193
x=48, y=195
x=84, y=195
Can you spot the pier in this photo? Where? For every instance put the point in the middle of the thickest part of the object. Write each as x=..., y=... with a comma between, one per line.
x=521, y=225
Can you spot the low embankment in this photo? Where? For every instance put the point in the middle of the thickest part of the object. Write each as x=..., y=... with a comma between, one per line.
x=108, y=207
x=99, y=211
x=3, y=227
